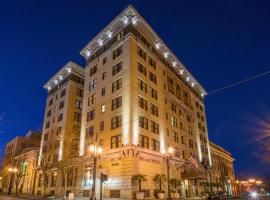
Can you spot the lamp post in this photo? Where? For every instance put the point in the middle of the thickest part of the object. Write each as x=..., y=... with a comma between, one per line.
x=167, y=155
x=95, y=152
x=12, y=171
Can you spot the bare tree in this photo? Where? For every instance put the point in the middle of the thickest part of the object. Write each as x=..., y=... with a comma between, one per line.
x=44, y=170
x=20, y=173
x=69, y=152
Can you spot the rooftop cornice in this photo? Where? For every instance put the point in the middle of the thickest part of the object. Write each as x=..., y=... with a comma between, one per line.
x=131, y=15
x=218, y=148
x=67, y=69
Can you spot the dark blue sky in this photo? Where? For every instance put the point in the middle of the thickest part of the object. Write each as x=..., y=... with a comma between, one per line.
x=219, y=42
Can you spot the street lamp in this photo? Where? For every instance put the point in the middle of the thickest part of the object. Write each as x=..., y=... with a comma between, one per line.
x=167, y=155
x=12, y=171
x=95, y=152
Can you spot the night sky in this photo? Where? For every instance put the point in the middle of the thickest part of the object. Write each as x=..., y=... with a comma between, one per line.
x=220, y=42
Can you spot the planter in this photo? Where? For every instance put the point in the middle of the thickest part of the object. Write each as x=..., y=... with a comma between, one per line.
x=161, y=195
x=139, y=195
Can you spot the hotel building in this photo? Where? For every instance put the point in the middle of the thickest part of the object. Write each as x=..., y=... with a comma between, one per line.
x=62, y=123
x=135, y=99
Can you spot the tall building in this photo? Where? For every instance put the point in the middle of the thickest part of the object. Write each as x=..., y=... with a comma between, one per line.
x=135, y=99
x=223, y=178
x=139, y=100
x=62, y=124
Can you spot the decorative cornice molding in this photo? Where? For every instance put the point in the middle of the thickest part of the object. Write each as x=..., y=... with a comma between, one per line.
x=131, y=15
x=67, y=69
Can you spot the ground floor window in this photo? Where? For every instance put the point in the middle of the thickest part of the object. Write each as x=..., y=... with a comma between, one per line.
x=115, y=193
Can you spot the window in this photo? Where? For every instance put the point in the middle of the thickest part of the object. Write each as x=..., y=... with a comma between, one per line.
x=175, y=137
x=117, y=68
x=93, y=70
x=61, y=105
x=176, y=152
x=116, y=141
x=144, y=141
x=101, y=126
x=63, y=92
x=141, y=53
x=77, y=117
x=91, y=115
x=58, y=131
x=116, y=85
x=92, y=84
x=153, y=93
x=103, y=75
x=90, y=131
x=155, y=145
x=151, y=62
x=104, y=60
x=79, y=92
x=170, y=85
x=143, y=122
x=116, y=121
x=117, y=52
x=154, y=110
x=152, y=77
x=178, y=91
x=154, y=127
x=143, y=103
x=78, y=104
x=91, y=99
x=189, y=130
x=142, y=85
x=49, y=113
x=114, y=193
x=50, y=101
x=103, y=91
x=46, y=137
x=182, y=140
x=174, y=121
x=141, y=68
x=173, y=107
x=103, y=108
x=190, y=144
x=116, y=103
x=60, y=117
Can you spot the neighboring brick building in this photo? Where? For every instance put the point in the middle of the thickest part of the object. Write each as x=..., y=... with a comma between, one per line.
x=14, y=148
x=222, y=170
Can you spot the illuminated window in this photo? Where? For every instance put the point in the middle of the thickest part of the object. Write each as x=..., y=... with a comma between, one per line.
x=103, y=108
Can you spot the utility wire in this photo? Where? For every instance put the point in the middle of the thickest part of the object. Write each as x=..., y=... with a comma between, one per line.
x=238, y=83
